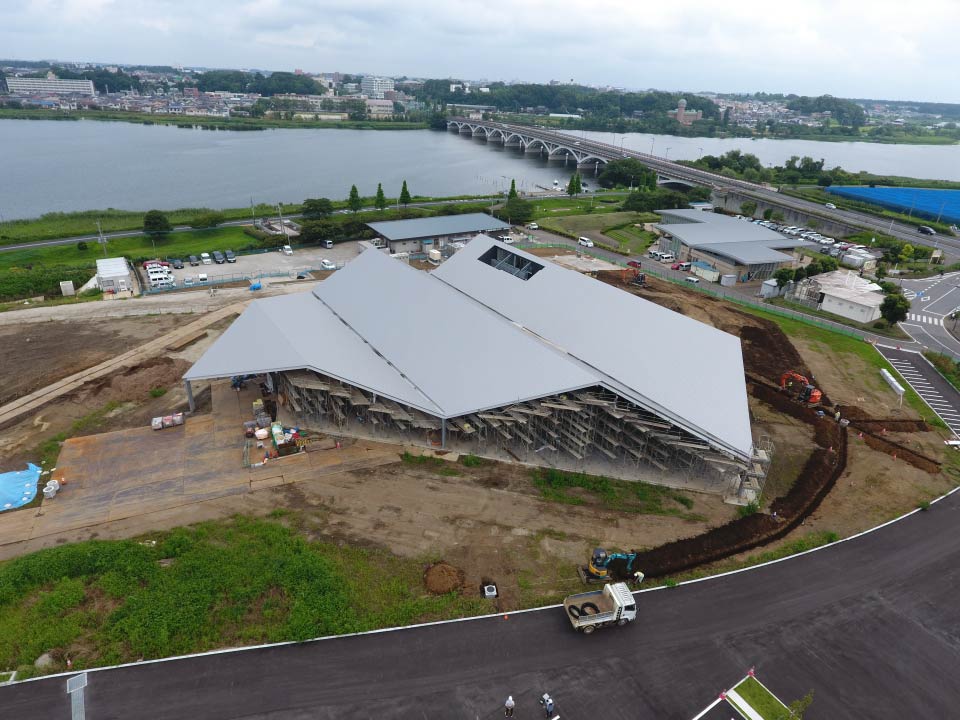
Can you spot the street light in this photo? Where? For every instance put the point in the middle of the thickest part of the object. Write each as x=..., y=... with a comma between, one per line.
x=701, y=153
x=651, y=145
x=667, y=156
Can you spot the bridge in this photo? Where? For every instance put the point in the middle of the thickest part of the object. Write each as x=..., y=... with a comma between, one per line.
x=587, y=154
x=727, y=192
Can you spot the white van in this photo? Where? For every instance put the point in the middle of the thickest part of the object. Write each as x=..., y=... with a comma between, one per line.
x=667, y=257
x=685, y=266
x=655, y=254
x=586, y=242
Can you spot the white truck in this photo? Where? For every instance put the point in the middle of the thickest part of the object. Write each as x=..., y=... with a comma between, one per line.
x=614, y=604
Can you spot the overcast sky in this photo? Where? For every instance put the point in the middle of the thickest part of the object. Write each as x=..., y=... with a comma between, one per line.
x=892, y=49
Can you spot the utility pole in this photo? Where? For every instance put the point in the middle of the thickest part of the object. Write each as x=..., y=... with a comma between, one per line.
x=102, y=240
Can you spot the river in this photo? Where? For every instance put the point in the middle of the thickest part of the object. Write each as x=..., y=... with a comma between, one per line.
x=48, y=166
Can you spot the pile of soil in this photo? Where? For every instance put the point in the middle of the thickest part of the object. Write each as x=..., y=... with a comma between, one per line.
x=134, y=384
x=442, y=578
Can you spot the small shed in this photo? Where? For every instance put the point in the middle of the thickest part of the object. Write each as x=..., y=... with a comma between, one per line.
x=769, y=288
x=113, y=275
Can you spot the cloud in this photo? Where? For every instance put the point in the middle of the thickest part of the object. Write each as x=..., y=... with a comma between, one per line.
x=843, y=47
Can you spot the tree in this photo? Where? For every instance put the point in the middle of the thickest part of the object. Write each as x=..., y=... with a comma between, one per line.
x=637, y=202
x=207, y=220
x=317, y=208
x=894, y=308
x=404, y=194
x=768, y=213
x=628, y=171
x=777, y=216
x=573, y=187
x=799, y=274
x=513, y=190
x=813, y=269
x=906, y=253
x=354, y=202
x=515, y=210
x=783, y=276
x=881, y=271
x=155, y=221
x=797, y=708
x=81, y=246
x=748, y=208
x=381, y=199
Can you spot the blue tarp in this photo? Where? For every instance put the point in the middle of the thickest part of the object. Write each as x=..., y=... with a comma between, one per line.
x=919, y=202
x=19, y=487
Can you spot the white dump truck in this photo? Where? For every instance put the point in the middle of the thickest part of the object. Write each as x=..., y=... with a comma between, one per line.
x=612, y=605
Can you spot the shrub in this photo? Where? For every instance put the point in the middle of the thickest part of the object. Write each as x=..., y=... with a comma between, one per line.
x=471, y=460
x=751, y=508
x=158, y=392
x=82, y=246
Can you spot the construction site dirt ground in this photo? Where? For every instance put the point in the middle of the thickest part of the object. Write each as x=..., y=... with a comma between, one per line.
x=33, y=356
x=489, y=521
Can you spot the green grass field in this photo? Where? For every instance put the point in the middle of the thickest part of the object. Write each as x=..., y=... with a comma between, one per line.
x=170, y=245
x=217, y=584
x=631, y=239
x=637, y=497
x=761, y=700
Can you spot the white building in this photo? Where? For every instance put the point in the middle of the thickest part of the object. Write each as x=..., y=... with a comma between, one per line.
x=113, y=275
x=843, y=293
x=374, y=87
x=52, y=86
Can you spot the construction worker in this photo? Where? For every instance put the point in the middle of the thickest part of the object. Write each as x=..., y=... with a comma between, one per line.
x=547, y=703
x=836, y=415
x=508, y=706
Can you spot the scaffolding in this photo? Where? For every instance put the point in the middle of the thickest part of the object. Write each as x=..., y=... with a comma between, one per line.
x=593, y=430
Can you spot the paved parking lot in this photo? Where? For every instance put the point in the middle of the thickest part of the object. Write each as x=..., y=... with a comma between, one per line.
x=929, y=384
x=269, y=262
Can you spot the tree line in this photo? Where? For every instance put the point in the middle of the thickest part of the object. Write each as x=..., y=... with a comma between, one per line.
x=276, y=83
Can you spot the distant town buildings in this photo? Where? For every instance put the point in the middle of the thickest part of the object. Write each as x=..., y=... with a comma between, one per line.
x=684, y=116
x=374, y=87
x=50, y=85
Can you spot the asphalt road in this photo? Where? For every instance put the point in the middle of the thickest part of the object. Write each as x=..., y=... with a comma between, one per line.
x=870, y=625
x=930, y=385
x=932, y=300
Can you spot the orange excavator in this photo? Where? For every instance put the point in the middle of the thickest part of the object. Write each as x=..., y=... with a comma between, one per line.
x=800, y=387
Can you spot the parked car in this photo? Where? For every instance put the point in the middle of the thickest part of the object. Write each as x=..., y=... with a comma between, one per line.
x=685, y=266
x=692, y=280
x=194, y=260
x=830, y=206
x=586, y=242
x=328, y=265
x=188, y=280
x=286, y=250
x=206, y=259
x=675, y=266
x=202, y=277
x=634, y=264
x=667, y=258
x=230, y=255
x=177, y=263
x=533, y=226
x=926, y=230
x=328, y=244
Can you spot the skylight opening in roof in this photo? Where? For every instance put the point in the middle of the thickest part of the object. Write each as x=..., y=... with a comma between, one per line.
x=501, y=259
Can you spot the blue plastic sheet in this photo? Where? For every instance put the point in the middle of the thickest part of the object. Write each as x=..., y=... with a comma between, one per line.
x=19, y=487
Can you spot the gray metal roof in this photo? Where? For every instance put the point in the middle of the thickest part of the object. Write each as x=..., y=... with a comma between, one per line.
x=741, y=241
x=680, y=368
x=468, y=337
x=381, y=325
x=112, y=267
x=746, y=253
x=437, y=226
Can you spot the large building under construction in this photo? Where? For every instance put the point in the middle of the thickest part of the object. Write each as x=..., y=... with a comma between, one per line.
x=503, y=354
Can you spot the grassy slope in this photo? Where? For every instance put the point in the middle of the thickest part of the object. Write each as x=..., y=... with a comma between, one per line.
x=220, y=584
x=852, y=345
